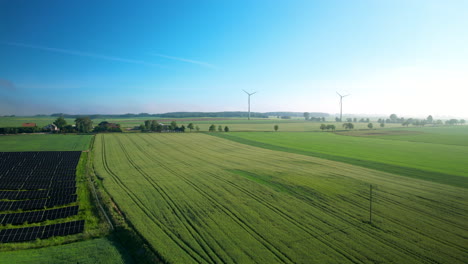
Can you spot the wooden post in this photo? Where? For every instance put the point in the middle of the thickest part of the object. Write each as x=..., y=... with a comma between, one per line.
x=370, y=205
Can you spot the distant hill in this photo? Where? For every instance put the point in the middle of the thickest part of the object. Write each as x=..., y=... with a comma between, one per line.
x=196, y=114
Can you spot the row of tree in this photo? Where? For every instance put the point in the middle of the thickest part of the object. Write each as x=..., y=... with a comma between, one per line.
x=212, y=128
x=82, y=125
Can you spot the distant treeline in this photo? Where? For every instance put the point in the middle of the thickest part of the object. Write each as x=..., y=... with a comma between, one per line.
x=195, y=114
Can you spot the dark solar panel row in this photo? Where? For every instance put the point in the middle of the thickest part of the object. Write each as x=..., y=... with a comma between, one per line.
x=35, y=175
x=38, y=216
x=23, y=195
x=38, y=179
x=36, y=204
x=32, y=233
x=36, y=186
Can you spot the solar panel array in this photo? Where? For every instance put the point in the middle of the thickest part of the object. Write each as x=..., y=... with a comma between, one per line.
x=38, y=216
x=35, y=181
x=32, y=233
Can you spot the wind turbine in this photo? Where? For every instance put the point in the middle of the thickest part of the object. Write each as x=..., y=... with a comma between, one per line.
x=249, y=94
x=341, y=105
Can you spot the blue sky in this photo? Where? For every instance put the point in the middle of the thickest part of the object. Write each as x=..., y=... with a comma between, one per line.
x=407, y=57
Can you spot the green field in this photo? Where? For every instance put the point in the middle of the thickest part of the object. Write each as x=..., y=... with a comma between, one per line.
x=202, y=199
x=447, y=135
x=44, y=142
x=101, y=250
x=436, y=162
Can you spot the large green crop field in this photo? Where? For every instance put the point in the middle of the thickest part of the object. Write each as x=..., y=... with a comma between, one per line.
x=46, y=142
x=436, y=162
x=202, y=199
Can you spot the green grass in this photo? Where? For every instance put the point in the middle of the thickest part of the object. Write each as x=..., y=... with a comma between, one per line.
x=202, y=199
x=447, y=135
x=435, y=162
x=100, y=250
x=44, y=142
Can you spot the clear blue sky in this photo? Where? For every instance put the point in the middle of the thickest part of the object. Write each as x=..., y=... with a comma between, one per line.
x=408, y=57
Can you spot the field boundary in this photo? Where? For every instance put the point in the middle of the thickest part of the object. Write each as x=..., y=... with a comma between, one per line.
x=437, y=177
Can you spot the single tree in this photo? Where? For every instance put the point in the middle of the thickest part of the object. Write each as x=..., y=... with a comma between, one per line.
x=370, y=125
x=212, y=128
x=182, y=128
x=430, y=119
x=306, y=115
x=382, y=124
x=393, y=118
x=276, y=127
x=84, y=124
x=226, y=129
x=323, y=126
x=197, y=128
x=190, y=126
x=154, y=125
x=173, y=125
x=348, y=125
x=60, y=122
x=147, y=124
x=220, y=128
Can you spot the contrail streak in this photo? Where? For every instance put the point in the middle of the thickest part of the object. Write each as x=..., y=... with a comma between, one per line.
x=201, y=63
x=83, y=54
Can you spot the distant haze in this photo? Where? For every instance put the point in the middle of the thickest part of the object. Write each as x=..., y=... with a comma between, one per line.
x=403, y=57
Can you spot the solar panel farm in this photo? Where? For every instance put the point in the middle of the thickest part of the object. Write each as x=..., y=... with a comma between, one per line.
x=362, y=196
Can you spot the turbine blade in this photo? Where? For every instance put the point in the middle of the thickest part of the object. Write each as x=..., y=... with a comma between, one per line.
x=339, y=94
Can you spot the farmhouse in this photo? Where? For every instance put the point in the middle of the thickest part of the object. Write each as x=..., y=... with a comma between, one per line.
x=28, y=125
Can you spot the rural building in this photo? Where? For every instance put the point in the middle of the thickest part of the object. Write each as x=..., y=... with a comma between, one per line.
x=28, y=125
x=51, y=128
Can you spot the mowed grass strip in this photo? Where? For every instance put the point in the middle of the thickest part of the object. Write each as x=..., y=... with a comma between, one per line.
x=446, y=135
x=44, y=142
x=202, y=199
x=435, y=162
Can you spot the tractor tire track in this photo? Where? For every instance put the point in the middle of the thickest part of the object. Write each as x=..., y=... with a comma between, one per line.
x=191, y=228
x=262, y=240
x=182, y=244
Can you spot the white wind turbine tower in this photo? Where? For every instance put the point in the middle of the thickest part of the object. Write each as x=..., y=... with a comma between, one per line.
x=341, y=105
x=249, y=94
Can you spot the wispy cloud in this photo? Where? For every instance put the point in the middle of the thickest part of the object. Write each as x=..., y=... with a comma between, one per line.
x=7, y=85
x=83, y=54
x=201, y=63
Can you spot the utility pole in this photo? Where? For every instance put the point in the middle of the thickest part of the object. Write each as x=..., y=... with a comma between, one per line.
x=370, y=205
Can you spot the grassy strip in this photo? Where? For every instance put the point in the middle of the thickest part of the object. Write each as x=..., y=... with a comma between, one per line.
x=100, y=250
x=404, y=171
x=46, y=142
